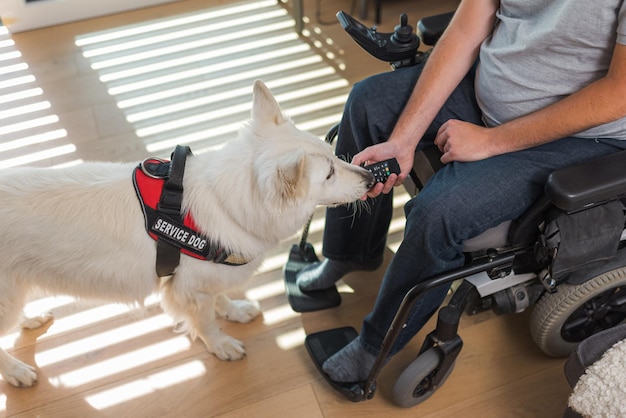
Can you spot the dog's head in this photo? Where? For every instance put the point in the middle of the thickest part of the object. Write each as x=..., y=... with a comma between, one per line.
x=293, y=166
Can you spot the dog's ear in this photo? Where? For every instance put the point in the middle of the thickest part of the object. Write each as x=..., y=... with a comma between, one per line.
x=290, y=177
x=283, y=179
x=264, y=107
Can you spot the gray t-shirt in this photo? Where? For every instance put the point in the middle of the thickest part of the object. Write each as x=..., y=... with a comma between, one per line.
x=543, y=50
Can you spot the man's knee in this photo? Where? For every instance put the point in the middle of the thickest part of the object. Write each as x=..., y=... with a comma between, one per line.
x=439, y=215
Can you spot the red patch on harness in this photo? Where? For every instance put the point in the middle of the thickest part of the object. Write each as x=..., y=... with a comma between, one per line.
x=185, y=236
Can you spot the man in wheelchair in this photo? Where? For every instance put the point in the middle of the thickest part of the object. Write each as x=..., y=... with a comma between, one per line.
x=513, y=91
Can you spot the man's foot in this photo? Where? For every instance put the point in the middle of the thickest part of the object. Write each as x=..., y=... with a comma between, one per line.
x=351, y=364
x=325, y=274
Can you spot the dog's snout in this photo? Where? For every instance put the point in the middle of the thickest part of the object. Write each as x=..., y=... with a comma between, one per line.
x=369, y=179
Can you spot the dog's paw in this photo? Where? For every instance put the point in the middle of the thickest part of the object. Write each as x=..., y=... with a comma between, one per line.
x=239, y=310
x=37, y=321
x=19, y=374
x=227, y=348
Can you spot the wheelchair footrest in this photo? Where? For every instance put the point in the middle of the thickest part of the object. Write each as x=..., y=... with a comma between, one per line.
x=323, y=345
x=300, y=301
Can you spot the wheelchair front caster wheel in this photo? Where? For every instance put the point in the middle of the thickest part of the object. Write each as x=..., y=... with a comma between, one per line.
x=414, y=385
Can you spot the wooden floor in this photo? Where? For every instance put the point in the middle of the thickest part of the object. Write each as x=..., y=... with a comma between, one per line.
x=99, y=360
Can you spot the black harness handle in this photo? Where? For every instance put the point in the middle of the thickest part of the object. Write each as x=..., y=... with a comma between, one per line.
x=170, y=204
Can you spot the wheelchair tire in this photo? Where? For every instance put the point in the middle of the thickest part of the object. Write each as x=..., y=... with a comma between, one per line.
x=561, y=320
x=413, y=385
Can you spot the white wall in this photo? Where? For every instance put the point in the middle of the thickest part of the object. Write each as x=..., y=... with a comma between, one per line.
x=18, y=16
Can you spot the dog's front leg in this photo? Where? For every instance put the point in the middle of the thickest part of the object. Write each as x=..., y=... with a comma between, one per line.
x=202, y=320
x=16, y=372
x=197, y=309
x=237, y=310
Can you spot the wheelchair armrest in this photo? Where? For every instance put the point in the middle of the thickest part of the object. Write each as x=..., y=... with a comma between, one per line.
x=588, y=184
x=432, y=27
x=427, y=161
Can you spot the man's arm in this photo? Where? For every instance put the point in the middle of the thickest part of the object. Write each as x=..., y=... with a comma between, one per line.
x=600, y=102
x=448, y=63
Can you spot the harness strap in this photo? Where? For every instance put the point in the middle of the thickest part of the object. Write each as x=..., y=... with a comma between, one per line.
x=170, y=204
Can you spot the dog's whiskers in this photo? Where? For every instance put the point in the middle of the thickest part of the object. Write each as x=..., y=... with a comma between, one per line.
x=358, y=207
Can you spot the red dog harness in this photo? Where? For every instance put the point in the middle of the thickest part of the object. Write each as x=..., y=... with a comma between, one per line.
x=159, y=187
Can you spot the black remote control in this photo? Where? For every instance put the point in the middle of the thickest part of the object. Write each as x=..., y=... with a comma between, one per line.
x=383, y=169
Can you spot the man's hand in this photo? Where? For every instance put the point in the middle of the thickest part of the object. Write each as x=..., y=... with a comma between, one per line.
x=463, y=141
x=382, y=152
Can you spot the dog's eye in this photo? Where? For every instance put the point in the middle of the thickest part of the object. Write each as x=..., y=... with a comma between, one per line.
x=331, y=172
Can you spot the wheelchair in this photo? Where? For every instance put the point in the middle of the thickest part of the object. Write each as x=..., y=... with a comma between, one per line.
x=565, y=257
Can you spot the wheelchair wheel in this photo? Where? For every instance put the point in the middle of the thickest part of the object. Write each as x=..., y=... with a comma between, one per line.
x=413, y=386
x=559, y=321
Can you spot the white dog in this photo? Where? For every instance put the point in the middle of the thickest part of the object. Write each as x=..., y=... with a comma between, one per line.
x=81, y=231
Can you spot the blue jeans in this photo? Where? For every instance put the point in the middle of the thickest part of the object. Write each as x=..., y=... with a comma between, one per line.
x=459, y=202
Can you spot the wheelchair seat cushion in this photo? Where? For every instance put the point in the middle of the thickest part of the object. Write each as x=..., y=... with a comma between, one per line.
x=495, y=237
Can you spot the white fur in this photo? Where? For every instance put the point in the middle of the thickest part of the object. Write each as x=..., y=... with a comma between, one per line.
x=601, y=391
x=80, y=230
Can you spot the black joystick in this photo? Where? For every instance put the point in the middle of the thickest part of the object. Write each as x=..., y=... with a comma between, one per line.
x=403, y=33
